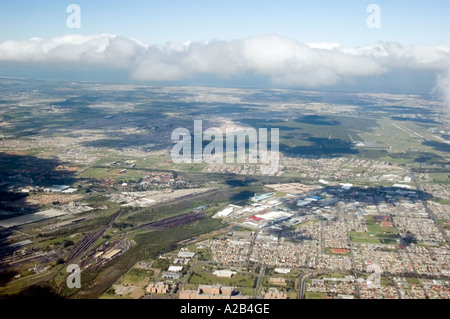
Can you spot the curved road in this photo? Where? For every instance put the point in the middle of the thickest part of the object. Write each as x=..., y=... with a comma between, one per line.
x=301, y=284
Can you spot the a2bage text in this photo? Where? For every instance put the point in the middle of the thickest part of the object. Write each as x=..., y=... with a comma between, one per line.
x=228, y=309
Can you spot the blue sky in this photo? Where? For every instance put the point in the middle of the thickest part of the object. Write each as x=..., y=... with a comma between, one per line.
x=322, y=44
x=154, y=22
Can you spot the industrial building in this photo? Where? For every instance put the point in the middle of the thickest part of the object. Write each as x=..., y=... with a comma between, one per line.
x=211, y=292
x=157, y=288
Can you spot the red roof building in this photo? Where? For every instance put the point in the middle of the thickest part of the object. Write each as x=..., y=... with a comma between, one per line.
x=339, y=251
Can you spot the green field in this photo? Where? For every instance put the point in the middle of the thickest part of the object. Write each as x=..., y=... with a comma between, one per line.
x=365, y=237
x=136, y=275
x=440, y=178
x=376, y=234
x=373, y=227
x=315, y=295
x=131, y=175
x=401, y=147
x=414, y=281
x=442, y=201
x=333, y=275
x=444, y=224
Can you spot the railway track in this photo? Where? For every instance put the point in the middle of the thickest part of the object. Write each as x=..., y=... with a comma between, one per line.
x=88, y=240
x=173, y=221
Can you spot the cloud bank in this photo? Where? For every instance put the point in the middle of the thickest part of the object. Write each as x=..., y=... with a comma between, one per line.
x=285, y=61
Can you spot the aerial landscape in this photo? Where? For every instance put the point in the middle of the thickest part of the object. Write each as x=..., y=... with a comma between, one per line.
x=96, y=202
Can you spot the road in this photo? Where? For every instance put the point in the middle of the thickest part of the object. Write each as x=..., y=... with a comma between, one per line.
x=301, y=285
x=262, y=271
x=397, y=288
x=259, y=282
x=250, y=250
x=355, y=273
x=183, y=282
x=429, y=211
x=322, y=240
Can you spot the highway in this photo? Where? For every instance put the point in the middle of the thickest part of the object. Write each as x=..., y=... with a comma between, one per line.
x=259, y=281
x=352, y=258
x=252, y=243
x=429, y=211
x=301, y=286
x=304, y=276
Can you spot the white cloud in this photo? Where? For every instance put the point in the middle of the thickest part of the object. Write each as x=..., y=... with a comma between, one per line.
x=284, y=61
x=324, y=45
x=443, y=89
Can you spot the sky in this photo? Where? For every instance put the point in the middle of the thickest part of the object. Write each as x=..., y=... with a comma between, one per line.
x=155, y=22
x=272, y=43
